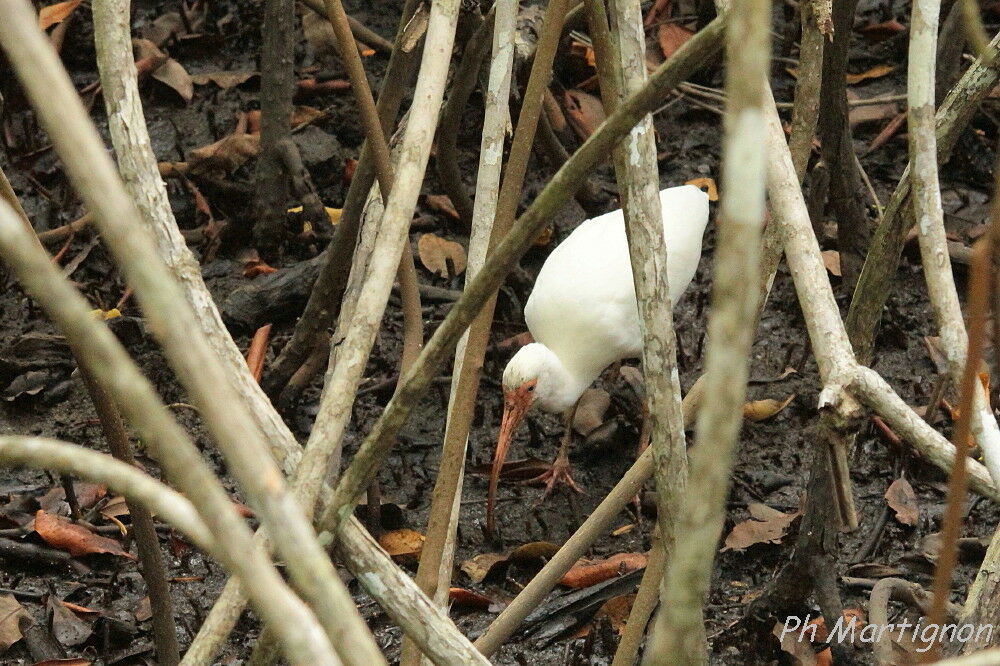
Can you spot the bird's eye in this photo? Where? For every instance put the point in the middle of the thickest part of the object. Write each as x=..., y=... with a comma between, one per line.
x=531, y=389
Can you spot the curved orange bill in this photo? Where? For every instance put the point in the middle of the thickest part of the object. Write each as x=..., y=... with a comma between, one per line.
x=515, y=406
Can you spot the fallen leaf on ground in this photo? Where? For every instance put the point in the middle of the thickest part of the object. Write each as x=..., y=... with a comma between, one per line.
x=766, y=525
x=402, y=544
x=74, y=539
x=115, y=507
x=57, y=13
x=671, y=37
x=10, y=611
x=442, y=257
x=224, y=80
x=706, y=185
x=171, y=72
x=493, y=565
x=480, y=567
x=801, y=651
x=590, y=410
x=903, y=501
x=585, y=111
x=761, y=410
x=616, y=609
x=831, y=259
x=68, y=661
x=67, y=628
x=876, y=72
x=87, y=494
x=516, y=341
x=592, y=573
x=463, y=598
x=872, y=113
x=442, y=204
x=878, y=32
x=143, y=610
x=225, y=155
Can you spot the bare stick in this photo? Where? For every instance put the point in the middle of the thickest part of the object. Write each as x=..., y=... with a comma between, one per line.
x=845, y=196
x=930, y=223
x=645, y=603
x=397, y=592
x=433, y=580
x=108, y=363
x=137, y=166
x=172, y=321
x=154, y=572
x=466, y=78
x=951, y=523
x=272, y=182
x=413, y=329
x=805, y=113
x=679, y=630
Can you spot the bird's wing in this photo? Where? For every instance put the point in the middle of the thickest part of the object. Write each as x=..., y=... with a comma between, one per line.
x=583, y=304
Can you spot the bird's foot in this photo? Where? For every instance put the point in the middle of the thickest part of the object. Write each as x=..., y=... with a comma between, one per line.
x=558, y=472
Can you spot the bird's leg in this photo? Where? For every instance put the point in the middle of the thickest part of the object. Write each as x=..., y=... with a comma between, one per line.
x=559, y=471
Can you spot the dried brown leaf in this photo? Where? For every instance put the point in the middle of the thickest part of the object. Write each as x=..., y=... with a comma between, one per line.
x=224, y=80
x=57, y=13
x=436, y=254
x=876, y=72
x=761, y=410
x=585, y=112
x=463, y=598
x=402, y=544
x=225, y=155
x=480, y=567
x=442, y=204
x=831, y=259
x=877, y=32
x=171, y=72
x=11, y=611
x=671, y=37
x=767, y=525
x=592, y=573
x=74, y=539
x=903, y=500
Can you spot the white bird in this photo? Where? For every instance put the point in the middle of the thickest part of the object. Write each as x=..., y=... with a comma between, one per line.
x=583, y=316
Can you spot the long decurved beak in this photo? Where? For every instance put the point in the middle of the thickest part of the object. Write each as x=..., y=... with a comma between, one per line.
x=515, y=406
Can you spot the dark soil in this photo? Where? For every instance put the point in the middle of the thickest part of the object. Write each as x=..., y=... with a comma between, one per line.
x=42, y=395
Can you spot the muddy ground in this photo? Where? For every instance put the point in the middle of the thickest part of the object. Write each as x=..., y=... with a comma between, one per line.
x=42, y=396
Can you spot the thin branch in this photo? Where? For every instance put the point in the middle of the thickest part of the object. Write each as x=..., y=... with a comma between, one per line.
x=805, y=112
x=465, y=80
x=679, y=629
x=441, y=528
x=154, y=572
x=980, y=279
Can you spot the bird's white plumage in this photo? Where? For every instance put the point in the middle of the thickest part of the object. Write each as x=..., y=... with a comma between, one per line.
x=583, y=306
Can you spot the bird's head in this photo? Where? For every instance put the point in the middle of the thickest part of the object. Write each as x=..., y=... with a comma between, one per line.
x=531, y=377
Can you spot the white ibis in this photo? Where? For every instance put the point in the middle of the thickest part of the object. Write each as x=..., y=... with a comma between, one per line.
x=583, y=316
